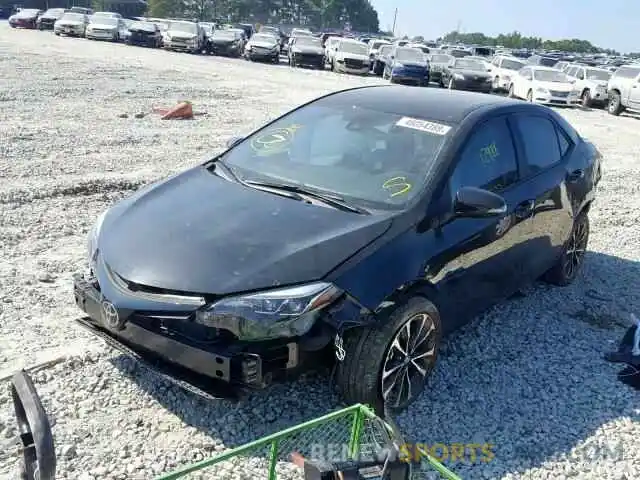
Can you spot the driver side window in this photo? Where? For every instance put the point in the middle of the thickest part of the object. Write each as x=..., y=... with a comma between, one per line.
x=488, y=159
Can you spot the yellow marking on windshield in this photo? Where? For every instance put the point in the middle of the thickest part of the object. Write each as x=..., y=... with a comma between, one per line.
x=273, y=141
x=489, y=153
x=399, y=183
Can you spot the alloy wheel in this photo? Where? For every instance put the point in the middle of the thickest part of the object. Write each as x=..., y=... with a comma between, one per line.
x=409, y=361
x=576, y=249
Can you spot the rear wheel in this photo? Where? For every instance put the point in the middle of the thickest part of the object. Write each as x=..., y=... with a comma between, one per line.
x=565, y=271
x=388, y=366
x=586, y=98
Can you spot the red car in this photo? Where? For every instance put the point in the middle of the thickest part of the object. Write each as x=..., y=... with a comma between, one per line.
x=25, y=18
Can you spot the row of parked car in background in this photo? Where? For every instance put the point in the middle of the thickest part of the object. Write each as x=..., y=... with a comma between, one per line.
x=552, y=78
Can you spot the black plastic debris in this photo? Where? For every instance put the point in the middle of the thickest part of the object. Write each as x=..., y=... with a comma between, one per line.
x=629, y=354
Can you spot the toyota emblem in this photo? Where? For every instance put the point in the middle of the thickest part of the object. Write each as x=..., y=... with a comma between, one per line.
x=110, y=316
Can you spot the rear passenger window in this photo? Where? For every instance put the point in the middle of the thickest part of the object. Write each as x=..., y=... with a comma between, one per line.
x=488, y=159
x=565, y=144
x=540, y=141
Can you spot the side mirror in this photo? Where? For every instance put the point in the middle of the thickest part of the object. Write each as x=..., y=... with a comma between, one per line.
x=475, y=202
x=233, y=141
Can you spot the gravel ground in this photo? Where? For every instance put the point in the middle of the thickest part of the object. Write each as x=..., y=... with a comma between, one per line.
x=527, y=378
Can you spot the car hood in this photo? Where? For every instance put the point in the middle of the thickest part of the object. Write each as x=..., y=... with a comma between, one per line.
x=142, y=29
x=49, y=17
x=196, y=232
x=411, y=64
x=223, y=41
x=103, y=26
x=556, y=86
x=264, y=44
x=471, y=73
x=313, y=50
x=29, y=16
x=354, y=56
x=69, y=23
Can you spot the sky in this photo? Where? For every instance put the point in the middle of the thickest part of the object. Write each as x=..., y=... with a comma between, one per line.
x=606, y=24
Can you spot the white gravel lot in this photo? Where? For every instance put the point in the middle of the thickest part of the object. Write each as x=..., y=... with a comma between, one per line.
x=527, y=378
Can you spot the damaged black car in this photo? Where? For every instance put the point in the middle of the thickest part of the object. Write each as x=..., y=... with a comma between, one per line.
x=288, y=251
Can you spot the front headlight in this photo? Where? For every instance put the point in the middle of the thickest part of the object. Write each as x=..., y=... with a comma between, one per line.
x=398, y=66
x=542, y=90
x=92, y=238
x=281, y=313
x=458, y=76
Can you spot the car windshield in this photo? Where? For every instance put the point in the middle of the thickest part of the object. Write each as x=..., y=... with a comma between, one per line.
x=27, y=12
x=301, y=33
x=272, y=30
x=184, y=27
x=593, y=74
x=225, y=34
x=259, y=37
x=104, y=20
x=377, y=45
x=409, y=55
x=76, y=17
x=440, y=58
x=374, y=157
x=550, y=76
x=384, y=49
x=355, y=48
x=469, y=65
x=511, y=64
x=309, y=41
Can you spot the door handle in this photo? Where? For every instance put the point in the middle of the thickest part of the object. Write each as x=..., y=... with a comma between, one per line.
x=575, y=175
x=525, y=209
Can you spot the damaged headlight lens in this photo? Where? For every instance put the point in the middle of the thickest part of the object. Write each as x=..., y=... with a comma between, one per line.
x=281, y=313
x=92, y=238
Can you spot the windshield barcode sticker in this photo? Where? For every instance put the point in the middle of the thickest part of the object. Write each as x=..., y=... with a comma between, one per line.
x=423, y=125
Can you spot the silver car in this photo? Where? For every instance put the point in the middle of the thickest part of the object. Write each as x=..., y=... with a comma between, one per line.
x=71, y=24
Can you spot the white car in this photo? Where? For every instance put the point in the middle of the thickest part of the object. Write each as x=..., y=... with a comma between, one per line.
x=503, y=68
x=374, y=48
x=351, y=56
x=544, y=85
x=104, y=27
x=330, y=49
x=591, y=84
x=107, y=14
x=71, y=24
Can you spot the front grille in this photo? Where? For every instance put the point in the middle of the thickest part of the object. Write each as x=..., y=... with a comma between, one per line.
x=309, y=58
x=559, y=94
x=181, y=327
x=352, y=63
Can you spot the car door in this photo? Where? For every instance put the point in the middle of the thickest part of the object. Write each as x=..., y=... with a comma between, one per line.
x=545, y=149
x=521, y=86
x=473, y=262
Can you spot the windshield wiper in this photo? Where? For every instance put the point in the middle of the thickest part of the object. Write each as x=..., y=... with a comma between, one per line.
x=331, y=199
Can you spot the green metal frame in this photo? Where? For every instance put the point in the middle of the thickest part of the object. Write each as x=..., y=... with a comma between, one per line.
x=360, y=414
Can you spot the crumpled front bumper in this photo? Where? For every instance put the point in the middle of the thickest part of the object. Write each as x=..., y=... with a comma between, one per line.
x=156, y=340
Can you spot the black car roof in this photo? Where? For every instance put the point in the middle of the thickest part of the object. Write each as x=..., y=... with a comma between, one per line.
x=450, y=106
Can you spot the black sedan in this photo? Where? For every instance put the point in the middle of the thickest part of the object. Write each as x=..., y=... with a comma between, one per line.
x=424, y=209
x=145, y=34
x=49, y=18
x=464, y=74
x=306, y=52
x=226, y=42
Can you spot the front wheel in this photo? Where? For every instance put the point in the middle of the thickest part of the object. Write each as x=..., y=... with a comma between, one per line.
x=567, y=268
x=452, y=84
x=530, y=96
x=586, y=99
x=388, y=366
x=615, y=105
x=512, y=92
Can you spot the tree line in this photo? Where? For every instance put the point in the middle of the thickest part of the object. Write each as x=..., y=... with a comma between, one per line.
x=359, y=15
x=516, y=40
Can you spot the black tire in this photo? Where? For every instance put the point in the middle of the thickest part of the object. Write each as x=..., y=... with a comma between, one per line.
x=452, y=84
x=441, y=83
x=586, y=98
x=511, y=92
x=359, y=376
x=567, y=268
x=530, y=96
x=615, y=104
